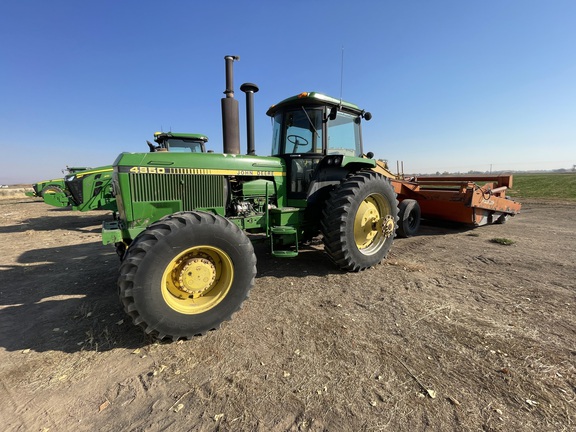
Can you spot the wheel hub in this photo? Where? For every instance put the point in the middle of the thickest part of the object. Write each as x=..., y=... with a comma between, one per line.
x=196, y=275
x=197, y=279
x=387, y=226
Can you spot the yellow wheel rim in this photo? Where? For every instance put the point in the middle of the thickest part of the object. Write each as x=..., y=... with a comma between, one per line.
x=197, y=279
x=373, y=223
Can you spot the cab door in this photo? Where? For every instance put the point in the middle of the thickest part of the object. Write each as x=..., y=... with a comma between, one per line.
x=298, y=139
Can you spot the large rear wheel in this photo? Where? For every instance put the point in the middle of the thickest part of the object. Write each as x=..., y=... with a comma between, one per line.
x=186, y=274
x=359, y=221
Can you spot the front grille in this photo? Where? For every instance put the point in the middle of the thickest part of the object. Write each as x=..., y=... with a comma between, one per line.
x=75, y=187
x=194, y=191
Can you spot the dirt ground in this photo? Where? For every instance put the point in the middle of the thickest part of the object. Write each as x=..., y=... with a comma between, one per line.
x=451, y=332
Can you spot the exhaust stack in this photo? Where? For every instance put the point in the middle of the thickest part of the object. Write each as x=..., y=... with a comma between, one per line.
x=230, y=116
x=250, y=89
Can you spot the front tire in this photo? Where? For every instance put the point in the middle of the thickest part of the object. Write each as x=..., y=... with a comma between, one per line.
x=51, y=189
x=186, y=274
x=359, y=221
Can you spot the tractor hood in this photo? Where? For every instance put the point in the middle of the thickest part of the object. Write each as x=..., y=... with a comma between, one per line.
x=166, y=163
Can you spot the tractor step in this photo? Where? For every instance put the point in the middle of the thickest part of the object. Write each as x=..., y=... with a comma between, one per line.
x=284, y=253
x=283, y=230
x=284, y=241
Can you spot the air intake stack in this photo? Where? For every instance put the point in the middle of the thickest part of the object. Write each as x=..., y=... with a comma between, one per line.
x=250, y=89
x=230, y=117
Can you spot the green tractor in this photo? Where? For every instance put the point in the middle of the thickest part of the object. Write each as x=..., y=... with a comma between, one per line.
x=92, y=189
x=86, y=189
x=186, y=220
x=51, y=187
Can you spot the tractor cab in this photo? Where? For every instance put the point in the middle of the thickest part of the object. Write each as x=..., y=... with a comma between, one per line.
x=316, y=135
x=179, y=142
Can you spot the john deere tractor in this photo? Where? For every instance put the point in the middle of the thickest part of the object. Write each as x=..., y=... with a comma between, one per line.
x=92, y=189
x=86, y=189
x=186, y=220
x=49, y=187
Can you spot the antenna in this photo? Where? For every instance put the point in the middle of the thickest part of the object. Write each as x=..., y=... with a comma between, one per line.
x=341, y=74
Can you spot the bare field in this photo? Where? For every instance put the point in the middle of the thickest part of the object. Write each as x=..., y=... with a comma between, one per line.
x=451, y=332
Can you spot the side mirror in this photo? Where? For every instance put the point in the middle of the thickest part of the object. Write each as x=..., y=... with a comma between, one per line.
x=370, y=155
x=367, y=116
x=333, y=113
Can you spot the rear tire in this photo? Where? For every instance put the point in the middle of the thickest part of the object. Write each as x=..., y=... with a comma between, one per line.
x=502, y=219
x=409, y=216
x=359, y=221
x=186, y=274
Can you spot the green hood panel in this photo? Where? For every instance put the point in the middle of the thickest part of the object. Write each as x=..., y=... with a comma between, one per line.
x=198, y=163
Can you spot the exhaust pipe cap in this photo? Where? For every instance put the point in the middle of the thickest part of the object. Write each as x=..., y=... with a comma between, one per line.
x=249, y=87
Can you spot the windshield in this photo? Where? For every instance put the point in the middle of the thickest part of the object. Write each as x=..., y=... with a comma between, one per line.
x=298, y=131
x=301, y=131
x=183, y=145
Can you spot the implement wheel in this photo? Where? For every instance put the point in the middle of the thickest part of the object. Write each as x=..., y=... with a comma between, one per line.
x=359, y=221
x=408, y=218
x=186, y=274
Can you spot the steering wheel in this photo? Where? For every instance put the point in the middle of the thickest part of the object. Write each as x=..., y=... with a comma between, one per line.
x=295, y=139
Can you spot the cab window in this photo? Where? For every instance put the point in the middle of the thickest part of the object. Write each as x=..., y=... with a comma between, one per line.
x=344, y=135
x=184, y=145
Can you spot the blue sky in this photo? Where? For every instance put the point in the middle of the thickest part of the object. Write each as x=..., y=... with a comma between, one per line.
x=452, y=85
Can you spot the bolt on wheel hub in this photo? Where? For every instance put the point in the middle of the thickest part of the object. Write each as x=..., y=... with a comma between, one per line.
x=197, y=280
x=194, y=275
x=197, y=276
x=387, y=226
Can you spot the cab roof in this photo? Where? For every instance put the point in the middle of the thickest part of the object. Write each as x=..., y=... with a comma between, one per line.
x=164, y=135
x=313, y=98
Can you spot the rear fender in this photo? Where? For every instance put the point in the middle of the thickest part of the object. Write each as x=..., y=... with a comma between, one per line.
x=330, y=171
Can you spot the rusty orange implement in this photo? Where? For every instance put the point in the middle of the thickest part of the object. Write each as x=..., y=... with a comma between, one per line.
x=476, y=200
